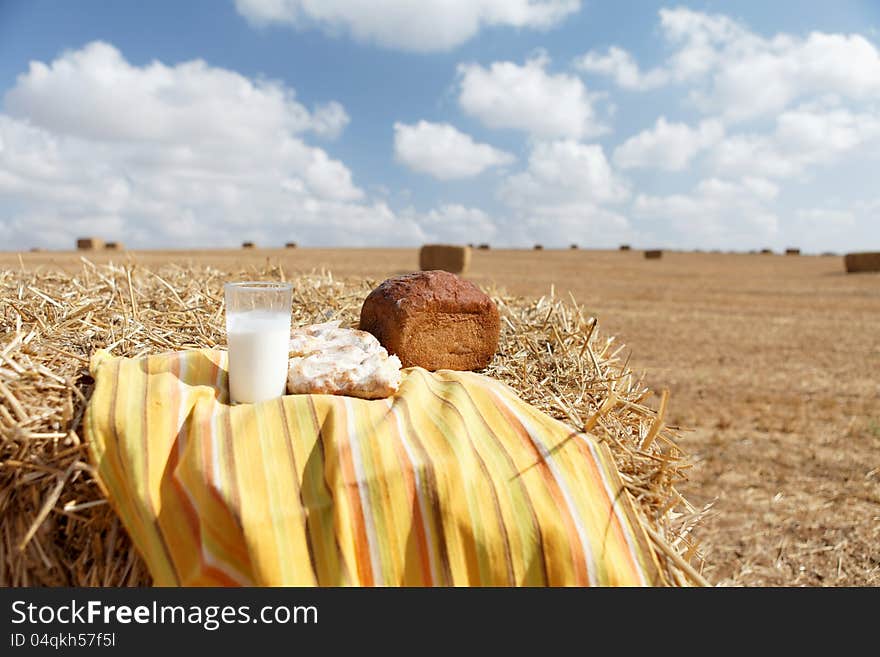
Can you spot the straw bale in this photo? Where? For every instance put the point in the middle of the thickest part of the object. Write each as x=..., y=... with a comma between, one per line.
x=766, y=251
x=792, y=251
x=654, y=254
x=483, y=247
x=448, y=257
x=290, y=245
x=861, y=262
x=89, y=243
x=58, y=529
x=114, y=246
x=625, y=247
x=538, y=247
x=573, y=247
x=247, y=245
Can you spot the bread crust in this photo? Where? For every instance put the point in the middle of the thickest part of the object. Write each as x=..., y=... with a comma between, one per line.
x=433, y=319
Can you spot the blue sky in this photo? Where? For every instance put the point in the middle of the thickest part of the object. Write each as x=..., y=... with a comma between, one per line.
x=733, y=125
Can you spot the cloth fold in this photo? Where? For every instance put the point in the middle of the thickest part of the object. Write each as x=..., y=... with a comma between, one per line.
x=453, y=481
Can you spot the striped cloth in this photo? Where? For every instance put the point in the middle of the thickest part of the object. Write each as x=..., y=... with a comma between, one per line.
x=454, y=481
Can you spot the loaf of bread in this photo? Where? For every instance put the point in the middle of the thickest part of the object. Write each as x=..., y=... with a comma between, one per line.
x=326, y=359
x=434, y=320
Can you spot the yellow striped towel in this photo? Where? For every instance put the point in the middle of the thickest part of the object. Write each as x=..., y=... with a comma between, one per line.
x=453, y=481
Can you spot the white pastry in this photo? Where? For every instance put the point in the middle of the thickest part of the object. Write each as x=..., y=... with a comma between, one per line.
x=326, y=359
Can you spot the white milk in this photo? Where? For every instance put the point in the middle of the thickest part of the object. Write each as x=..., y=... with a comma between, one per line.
x=258, y=348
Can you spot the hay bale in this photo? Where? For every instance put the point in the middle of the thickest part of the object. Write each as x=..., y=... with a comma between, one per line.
x=89, y=243
x=792, y=251
x=766, y=251
x=625, y=247
x=483, y=247
x=57, y=528
x=37, y=249
x=539, y=247
x=862, y=262
x=653, y=254
x=290, y=245
x=247, y=245
x=448, y=257
x=573, y=247
x=114, y=246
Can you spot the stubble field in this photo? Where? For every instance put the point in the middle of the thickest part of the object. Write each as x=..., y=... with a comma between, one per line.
x=771, y=361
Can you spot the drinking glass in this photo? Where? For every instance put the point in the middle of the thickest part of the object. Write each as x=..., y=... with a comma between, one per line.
x=258, y=335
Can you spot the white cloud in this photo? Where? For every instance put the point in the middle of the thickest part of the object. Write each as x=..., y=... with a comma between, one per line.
x=716, y=213
x=818, y=230
x=669, y=146
x=442, y=151
x=621, y=66
x=701, y=41
x=774, y=73
x=329, y=120
x=561, y=197
x=804, y=137
x=454, y=223
x=528, y=98
x=826, y=219
x=564, y=172
x=557, y=225
x=94, y=93
x=189, y=155
x=762, y=188
x=741, y=75
x=424, y=26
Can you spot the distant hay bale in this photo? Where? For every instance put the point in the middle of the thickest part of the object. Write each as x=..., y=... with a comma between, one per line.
x=448, y=257
x=625, y=247
x=483, y=247
x=792, y=251
x=89, y=243
x=247, y=245
x=36, y=249
x=766, y=251
x=290, y=245
x=573, y=247
x=539, y=247
x=470, y=244
x=862, y=262
x=829, y=254
x=114, y=246
x=653, y=254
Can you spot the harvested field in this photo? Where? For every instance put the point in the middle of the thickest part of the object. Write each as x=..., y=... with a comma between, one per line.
x=771, y=363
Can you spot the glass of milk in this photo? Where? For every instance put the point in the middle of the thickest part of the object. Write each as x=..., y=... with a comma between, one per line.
x=258, y=334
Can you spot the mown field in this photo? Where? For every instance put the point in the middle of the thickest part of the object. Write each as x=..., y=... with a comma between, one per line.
x=771, y=361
